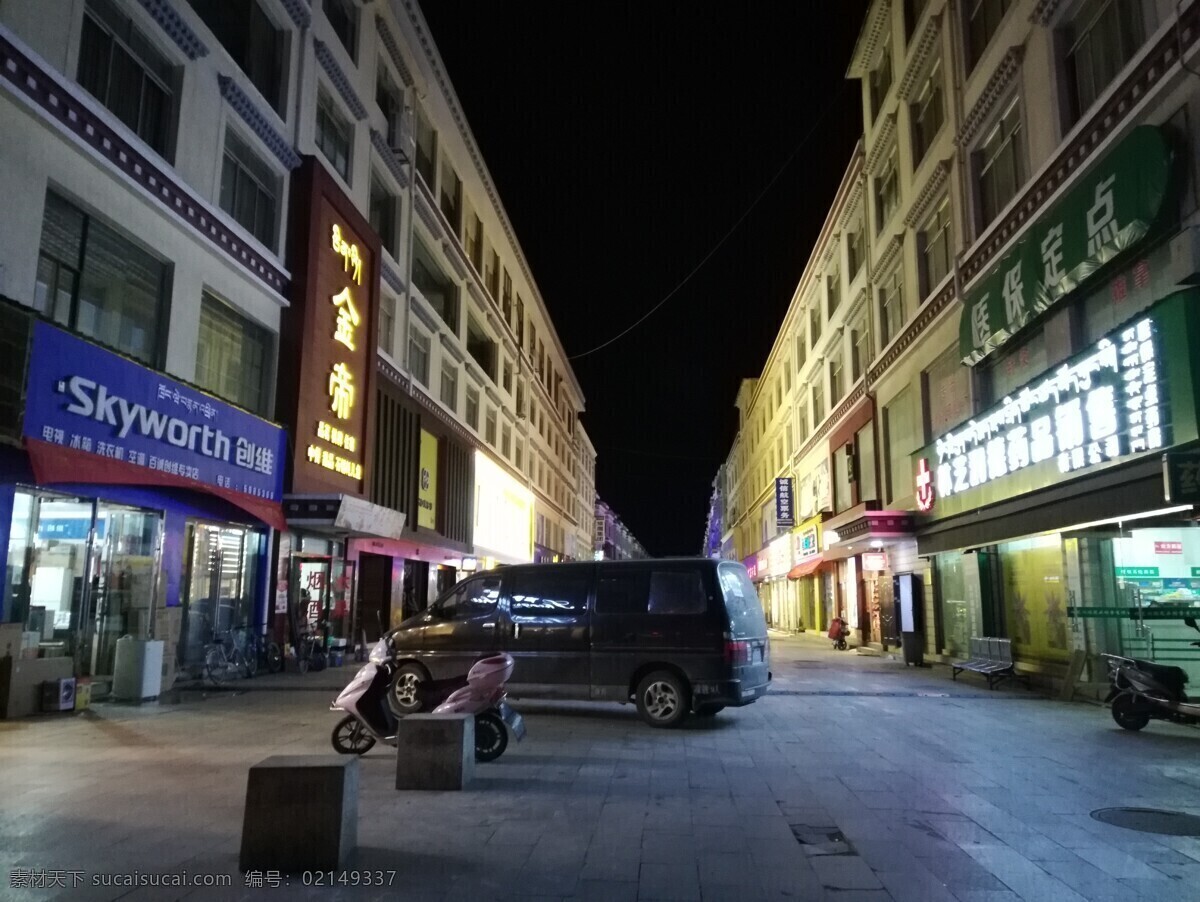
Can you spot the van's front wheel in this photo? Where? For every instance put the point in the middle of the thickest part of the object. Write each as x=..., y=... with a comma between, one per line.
x=662, y=699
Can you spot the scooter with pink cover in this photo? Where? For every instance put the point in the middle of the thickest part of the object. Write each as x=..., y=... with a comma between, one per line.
x=369, y=719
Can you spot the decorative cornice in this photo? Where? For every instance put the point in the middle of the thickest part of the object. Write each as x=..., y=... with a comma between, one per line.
x=298, y=11
x=928, y=312
x=426, y=209
x=176, y=28
x=388, y=156
x=477, y=295
x=418, y=305
x=339, y=79
x=918, y=56
x=1044, y=12
x=882, y=144
x=455, y=255
x=245, y=107
x=850, y=206
x=393, y=49
x=451, y=347
x=933, y=185
x=493, y=395
x=1009, y=66
x=475, y=373
x=67, y=106
x=888, y=257
x=857, y=393
x=873, y=34
x=390, y=277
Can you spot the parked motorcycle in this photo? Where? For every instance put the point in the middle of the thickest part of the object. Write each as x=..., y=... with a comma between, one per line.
x=838, y=631
x=481, y=692
x=1142, y=691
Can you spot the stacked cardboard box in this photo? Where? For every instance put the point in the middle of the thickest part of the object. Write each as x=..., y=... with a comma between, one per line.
x=167, y=624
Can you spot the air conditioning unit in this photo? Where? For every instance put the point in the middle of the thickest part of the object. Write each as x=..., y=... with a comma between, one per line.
x=58, y=695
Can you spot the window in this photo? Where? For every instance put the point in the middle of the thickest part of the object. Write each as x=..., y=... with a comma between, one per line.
x=470, y=598
x=880, y=79
x=450, y=197
x=936, y=242
x=491, y=275
x=249, y=189
x=843, y=478
x=903, y=437
x=475, y=242
x=344, y=19
x=947, y=391
x=1102, y=37
x=472, y=411
x=983, y=20
x=94, y=280
x=801, y=349
x=833, y=285
x=418, y=355
x=547, y=593
x=506, y=441
x=802, y=422
x=257, y=46
x=835, y=380
x=818, y=402
x=387, y=323
x=622, y=592
x=519, y=460
x=124, y=71
x=677, y=592
x=814, y=322
x=860, y=347
x=426, y=148
x=1000, y=164
x=232, y=355
x=506, y=298
x=507, y=379
x=520, y=322
x=928, y=112
x=864, y=463
x=334, y=135
x=391, y=103
x=887, y=191
x=435, y=286
x=520, y=398
x=450, y=386
x=891, y=306
x=481, y=347
x=854, y=251
x=489, y=431
x=383, y=214
x=912, y=15
x=787, y=377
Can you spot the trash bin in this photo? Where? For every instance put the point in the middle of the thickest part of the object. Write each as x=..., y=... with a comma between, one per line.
x=910, y=599
x=137, y=671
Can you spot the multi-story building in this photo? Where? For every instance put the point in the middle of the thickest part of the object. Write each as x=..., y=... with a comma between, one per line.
x=1029, y=200
x=227, y=214
x=612, y=540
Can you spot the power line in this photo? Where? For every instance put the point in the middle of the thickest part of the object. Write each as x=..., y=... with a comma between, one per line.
x=716, y=247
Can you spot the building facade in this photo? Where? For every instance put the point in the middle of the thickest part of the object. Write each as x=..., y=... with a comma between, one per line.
x=612, y=540
x=1028, y=198
x=311, y=378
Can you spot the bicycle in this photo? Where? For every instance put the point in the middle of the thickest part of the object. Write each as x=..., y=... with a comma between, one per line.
x=310, y=652
x=224, y=658
x=261, y=651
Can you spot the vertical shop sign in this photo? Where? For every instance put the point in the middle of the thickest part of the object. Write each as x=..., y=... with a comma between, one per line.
x=427, y=486
x=785, y=511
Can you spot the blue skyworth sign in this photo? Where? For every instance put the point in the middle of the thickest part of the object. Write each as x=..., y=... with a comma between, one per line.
x=83, y=397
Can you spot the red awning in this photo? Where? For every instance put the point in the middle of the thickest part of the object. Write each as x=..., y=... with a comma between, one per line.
x=808, y=568
x=55, y=464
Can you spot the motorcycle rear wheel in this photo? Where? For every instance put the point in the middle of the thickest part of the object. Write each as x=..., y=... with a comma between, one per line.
x=351, y=738
x=1128, y=714
x=491, y=737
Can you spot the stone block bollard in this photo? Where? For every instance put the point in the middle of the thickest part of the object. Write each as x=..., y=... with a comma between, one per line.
x=435, y=751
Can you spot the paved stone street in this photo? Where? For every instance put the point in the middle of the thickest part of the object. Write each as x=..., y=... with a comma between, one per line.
x=855, y=779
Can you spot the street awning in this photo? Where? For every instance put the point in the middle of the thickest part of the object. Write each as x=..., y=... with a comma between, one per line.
x=808, y=568
x=54, y=463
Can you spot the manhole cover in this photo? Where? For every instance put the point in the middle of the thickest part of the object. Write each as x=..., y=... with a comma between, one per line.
x=1150, y=820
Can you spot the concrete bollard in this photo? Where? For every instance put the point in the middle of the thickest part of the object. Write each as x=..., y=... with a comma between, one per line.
x=301, y=813
x=435, y=751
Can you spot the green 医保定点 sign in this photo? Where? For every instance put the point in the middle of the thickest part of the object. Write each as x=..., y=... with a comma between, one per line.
x=1138, y=572
x=1116, y=613
x=1107, y=212
x=1153, y=612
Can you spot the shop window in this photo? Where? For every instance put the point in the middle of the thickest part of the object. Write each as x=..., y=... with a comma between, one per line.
x=936, y=241
x=449, y=393
x=382, y=211
x=335, y=135
x=1102, y=37
x=249, y=36
x=426, y=149
x=1035, y=598
x=472, y=411
x=122, y=69
x=887, y=191
x=947, y=392
x=927, y=113
x=959, y=601
x=903, y=435
x=438, y=289
x=343, y=18
x=94, y=280
x=999, y=161
x=249, y=190
x=418, y=355
x=233, y=355
x=983, y=21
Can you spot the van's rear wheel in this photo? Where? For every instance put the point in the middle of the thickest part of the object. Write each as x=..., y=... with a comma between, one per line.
x=662, y=699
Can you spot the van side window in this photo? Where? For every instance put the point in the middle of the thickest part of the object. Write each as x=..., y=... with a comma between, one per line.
x=621, y=593
x=470, y=599
x=548, y=594
x=677, y=592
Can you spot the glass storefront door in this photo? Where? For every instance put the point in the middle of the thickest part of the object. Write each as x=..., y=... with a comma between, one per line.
x=122, y=580
x=219, y=584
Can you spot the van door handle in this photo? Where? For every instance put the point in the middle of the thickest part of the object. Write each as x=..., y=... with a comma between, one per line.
x=489, y=626
x=516, y=631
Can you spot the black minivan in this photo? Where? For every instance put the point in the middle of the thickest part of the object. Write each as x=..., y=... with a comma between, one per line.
x=676, y=635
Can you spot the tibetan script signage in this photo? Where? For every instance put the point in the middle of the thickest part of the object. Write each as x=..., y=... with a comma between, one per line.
x=1104, y=214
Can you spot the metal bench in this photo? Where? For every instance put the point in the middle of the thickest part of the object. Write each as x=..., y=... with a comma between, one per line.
x=992, y=658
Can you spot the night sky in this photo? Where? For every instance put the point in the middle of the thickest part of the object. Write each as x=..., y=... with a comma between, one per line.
x=625, y=140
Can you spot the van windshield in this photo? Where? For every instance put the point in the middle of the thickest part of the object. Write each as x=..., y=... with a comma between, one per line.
x=746, y=620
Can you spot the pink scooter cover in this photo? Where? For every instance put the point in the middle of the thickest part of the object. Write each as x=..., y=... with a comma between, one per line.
x=485, y=684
